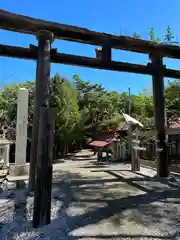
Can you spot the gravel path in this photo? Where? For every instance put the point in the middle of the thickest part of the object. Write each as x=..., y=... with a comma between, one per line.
x=91, y=201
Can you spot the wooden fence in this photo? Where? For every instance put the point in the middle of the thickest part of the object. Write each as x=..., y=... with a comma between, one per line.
x=173, y=143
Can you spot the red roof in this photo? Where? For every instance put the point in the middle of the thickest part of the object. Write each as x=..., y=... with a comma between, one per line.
x=175, y=123
x=99, y=143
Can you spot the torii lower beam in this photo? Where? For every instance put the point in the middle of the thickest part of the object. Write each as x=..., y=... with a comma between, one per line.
x=31, y=54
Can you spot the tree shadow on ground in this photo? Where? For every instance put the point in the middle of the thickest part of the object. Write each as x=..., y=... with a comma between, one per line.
x=96, y=165
x=85, y=201
x=82, y=158
x=136, y=182
x=119, y=201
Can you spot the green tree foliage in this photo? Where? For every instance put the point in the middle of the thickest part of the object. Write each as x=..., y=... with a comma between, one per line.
x=84, y=109
x=100, y=109
x=152, y=35
x=136, y=35
x=158, y=40
x=172, y=94
x=8, y=101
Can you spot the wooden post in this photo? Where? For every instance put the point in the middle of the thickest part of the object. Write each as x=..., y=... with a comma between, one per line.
x=98, y=53
x=107, y=149
x=133, y=160
x=43, y=186
x=130, y=143
x=104, y=53
x=137, y=152
x=159, y=105
x=135, y=156
x=45, y=39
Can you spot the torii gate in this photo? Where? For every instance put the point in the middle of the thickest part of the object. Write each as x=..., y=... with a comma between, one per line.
x=46, y=32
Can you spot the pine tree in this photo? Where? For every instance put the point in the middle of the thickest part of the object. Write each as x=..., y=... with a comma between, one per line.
x=168, y=36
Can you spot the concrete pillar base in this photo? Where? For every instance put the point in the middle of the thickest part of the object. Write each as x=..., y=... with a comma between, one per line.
x=18, y=170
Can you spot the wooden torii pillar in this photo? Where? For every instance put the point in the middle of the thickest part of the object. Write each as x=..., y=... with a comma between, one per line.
x=42, y=93
x=42, y=139
x=159, y=107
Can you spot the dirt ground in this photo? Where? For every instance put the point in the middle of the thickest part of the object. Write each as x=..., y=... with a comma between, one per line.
x=110, y=202
x=96, y=201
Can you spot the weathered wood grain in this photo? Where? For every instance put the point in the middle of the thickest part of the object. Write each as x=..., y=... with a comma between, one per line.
x=28, y=25
x=159, y=109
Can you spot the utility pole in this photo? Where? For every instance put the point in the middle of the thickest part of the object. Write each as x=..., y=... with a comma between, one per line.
x=130, y=126
x=129, y=101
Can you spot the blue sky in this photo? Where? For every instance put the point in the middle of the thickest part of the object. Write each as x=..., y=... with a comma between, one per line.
x=113, y=16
